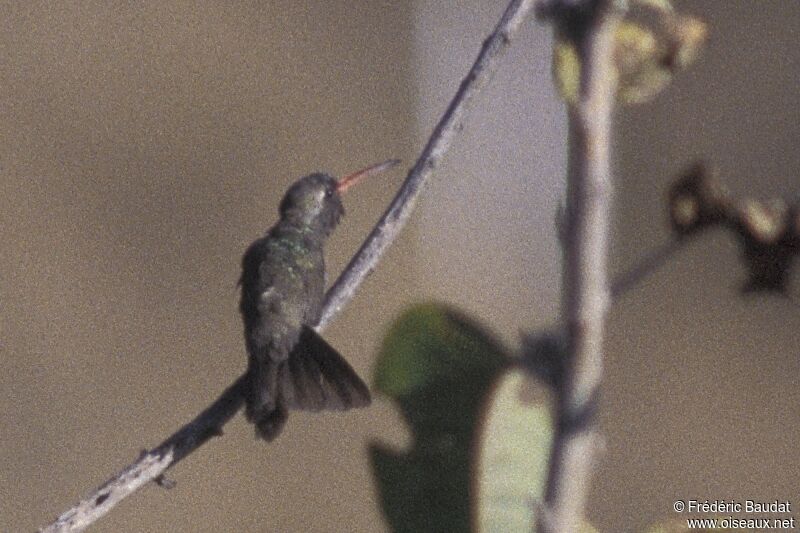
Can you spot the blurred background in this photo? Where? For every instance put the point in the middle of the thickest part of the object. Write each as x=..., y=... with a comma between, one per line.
x=142, y=150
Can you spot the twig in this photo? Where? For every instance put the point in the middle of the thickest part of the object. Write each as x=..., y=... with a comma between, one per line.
x=654, y=260
x=151, y=465
x=591, y=25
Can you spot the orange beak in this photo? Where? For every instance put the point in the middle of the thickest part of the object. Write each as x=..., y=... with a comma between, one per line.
x=345, y=182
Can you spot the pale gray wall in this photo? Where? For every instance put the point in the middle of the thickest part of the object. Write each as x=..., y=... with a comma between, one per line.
x=487, y=227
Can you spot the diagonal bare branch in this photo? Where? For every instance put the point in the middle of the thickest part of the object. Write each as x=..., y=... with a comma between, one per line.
x=152, y=465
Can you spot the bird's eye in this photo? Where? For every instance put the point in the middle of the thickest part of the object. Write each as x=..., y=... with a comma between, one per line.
x=328, y=192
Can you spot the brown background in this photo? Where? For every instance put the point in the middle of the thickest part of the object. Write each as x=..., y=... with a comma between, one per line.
x=142, y=150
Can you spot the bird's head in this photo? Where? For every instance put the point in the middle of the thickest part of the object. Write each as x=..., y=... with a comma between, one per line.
x=314, y=202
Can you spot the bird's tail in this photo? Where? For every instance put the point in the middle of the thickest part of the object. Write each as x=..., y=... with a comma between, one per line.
x=317, y=378
x=313, y=378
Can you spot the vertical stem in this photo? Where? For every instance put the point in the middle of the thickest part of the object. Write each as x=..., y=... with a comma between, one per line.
x=585, y=295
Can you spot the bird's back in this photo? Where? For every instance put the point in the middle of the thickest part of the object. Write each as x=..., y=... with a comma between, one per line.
x=283, y=277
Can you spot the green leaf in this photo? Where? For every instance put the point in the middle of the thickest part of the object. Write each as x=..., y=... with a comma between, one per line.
x=511, y=473
x=646, y=56
x=688, y=35
x=566, y=70
x=438, y=366
x=639, y=59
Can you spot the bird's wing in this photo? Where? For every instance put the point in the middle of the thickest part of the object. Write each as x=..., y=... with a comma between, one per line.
x=273, y=328
x=317, y=378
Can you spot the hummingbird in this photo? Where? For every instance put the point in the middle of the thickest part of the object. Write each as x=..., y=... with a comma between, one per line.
x=290, y=366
